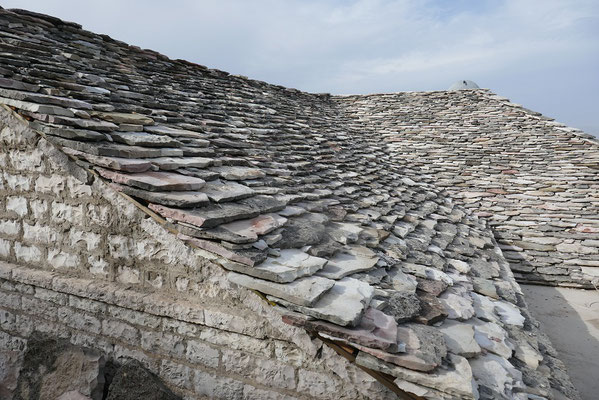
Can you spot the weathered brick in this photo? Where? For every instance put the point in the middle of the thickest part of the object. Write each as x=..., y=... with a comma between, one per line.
x=128, y=275
x=118, y=246
x=61, y=212
x=79, y=320
x=176, y=374
x=252, y=393
x=10, y=229
x=17, y=205
x=5, y=247
x=78, y=190
x=9, y=342
x=120, y=330
x=89, y=240
x=237, y=341
x=52, y=296
x=39, y=234
x=92, y=306
x=234, y=323
x=316, y=384
x=18, y=183
x=54, y=184
x=10, y=300
x=265, y=371
x=198, y=352
x=36, y=306
x=134, y=317
x=216, y=387
x=30, y=160
x=61, y=260
x=27, y=254
x=39, y=209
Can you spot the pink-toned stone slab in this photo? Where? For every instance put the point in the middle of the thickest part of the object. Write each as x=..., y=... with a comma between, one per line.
x=376, y=329
x=154, y=181
x=216, y=249
x=116, y=163
x=252, y=228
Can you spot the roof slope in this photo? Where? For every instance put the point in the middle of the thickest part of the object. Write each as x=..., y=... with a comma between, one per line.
x=534, y=179
x=297, y=203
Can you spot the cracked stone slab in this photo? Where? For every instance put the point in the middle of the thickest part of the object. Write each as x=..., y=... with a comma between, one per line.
x=252, y=228
x=456, y=380
x=181, y=199
x=116, y=163
x=199, y=139
x=208, y=217
x=234, y=173
x=493, y=338
x=460, y=339
x=349, y=261
x=302, y=291
x=154, y=181
x=343, y=304
x=123, y=118
x=376, y=330
x=172, y=163
x=219, y=191
x=509, y=313
x=290, y=265
x=144, y=139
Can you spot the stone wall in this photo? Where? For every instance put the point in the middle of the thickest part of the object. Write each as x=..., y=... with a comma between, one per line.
x=535, y=181
x=80, y=262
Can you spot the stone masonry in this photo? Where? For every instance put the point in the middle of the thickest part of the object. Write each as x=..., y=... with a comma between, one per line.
x=96, y=270
x=234, y=236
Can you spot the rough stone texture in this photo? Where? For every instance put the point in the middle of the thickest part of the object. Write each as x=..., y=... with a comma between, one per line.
x=337, y=185
x=532, y=178
x=52, y=368
x=133, y=381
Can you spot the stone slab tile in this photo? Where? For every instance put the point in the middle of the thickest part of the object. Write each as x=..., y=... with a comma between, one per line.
x=234, y=173
x=144, y=139
x=123, y=118
x=349, y=261
x=219, y=191
x=116, y=163
x=302, y=291
x=455, y=381
x=172, y=163
x=199, y=138
x=182, y=199
x=376, y=330
x=252, y=228
x=217, y=249
x=207, y=217
x=154, y=181
x=344, y=304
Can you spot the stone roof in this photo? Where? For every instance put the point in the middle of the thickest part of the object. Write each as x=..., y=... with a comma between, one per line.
x=298, y=202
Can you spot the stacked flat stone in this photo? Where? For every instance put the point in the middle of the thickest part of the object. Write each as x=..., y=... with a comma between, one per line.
x=535, y=180
x=298, y=198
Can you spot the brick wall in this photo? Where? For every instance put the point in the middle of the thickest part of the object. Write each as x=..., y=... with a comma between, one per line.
x=78, y=261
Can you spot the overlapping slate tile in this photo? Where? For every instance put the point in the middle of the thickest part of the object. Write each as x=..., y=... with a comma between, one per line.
x=154, y=181
x=220, y=191
x=288, y=266
x=343, y=304
x=302, y=291
x=349, y=261
x=116, y=163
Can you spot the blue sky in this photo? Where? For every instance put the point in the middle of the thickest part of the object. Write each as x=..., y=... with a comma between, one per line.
x=542, y=54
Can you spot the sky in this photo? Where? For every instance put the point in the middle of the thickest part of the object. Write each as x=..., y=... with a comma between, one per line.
x=543, y=54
